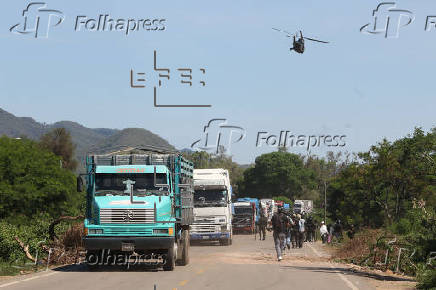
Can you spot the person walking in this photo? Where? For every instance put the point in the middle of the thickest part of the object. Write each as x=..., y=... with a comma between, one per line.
x=289, y=232
x=295, y=231
x=337, y=230
x=263, y=220
x=301, y=238
x=279, y=224
x=323, y=232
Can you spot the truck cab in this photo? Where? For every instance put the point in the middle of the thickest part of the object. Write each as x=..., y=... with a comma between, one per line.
x=212, y=206
x=244, y=217
x=138, y=203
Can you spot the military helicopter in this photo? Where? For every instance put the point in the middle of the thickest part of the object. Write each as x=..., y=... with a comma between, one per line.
x=298, y=43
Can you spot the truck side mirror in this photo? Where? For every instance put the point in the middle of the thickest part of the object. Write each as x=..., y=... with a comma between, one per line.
x=79, y=184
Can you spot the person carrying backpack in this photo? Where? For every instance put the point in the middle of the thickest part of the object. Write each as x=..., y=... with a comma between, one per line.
x=279, y=224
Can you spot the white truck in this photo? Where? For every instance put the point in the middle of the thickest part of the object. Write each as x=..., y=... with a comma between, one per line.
x=212, y=206
x=303, y=206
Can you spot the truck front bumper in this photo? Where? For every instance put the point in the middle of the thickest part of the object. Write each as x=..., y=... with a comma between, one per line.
x=114, y=243
x=243, y=228
x=209, y=236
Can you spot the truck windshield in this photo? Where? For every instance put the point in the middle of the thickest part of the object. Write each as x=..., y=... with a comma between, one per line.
x=113, y=184
x=210, y=198
x=245, y=210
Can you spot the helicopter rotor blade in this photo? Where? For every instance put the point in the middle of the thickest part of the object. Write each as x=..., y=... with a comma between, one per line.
x=284, y=31
x=312, y=39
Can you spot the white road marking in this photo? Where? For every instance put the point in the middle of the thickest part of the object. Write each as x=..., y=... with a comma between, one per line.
x=348, y=282
x=27, y=279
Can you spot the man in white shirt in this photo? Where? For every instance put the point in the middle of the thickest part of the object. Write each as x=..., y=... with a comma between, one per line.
x=324, y=232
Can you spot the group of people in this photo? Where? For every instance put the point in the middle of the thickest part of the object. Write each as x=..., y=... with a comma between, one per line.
x=291, y=231
x=335, y=231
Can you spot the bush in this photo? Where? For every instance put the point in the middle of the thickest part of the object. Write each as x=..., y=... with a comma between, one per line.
x=426, y=278
x=31, y=233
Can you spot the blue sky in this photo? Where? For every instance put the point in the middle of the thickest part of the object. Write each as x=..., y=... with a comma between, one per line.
x=363, y=86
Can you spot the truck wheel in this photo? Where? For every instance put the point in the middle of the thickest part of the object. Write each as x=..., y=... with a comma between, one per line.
x=184, y=260
x=226, y=242
x=170, y=261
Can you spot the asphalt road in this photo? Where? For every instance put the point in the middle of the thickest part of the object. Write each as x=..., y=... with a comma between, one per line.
x=247, y=264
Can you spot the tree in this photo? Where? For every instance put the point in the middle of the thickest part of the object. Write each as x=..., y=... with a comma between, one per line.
x=278, y=174
x=59, y=142
x=379, y=188
x=32, y=182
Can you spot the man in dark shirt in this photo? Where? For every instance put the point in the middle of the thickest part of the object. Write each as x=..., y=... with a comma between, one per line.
x=279, y=224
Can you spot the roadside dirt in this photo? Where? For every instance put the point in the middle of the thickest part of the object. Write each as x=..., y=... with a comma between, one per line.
x=311, y=255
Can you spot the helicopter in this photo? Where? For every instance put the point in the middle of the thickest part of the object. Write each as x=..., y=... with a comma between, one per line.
x=298, y=45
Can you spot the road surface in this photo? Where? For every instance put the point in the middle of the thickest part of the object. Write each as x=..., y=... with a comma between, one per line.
x=247, y=264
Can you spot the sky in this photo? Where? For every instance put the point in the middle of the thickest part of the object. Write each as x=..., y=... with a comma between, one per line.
x=363, y=86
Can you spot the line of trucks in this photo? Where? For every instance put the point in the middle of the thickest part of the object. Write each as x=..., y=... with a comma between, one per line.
x=146, y=201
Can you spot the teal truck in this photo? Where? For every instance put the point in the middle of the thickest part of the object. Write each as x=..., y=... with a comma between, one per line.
x=139, y=204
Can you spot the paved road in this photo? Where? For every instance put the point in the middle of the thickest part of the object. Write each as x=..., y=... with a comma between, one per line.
x=247, y=264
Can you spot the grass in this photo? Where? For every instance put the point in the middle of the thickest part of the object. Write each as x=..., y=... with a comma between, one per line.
x=12, y=269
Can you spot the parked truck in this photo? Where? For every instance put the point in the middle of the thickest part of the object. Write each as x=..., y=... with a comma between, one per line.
x=244, y=217
x=212, y=206
x=303, y=206
x=139, y=202
x=256, y=206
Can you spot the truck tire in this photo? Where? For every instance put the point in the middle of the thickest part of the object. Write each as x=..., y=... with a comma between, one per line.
x=170, y=261
x=184, y=259
x=226, y=242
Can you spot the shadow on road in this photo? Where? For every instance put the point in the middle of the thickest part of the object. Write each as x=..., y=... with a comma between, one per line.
x=85, y=268
x=348, y=271
x=205, y=243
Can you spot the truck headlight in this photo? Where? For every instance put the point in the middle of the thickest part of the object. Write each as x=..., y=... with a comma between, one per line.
x=95, y=231
x=224, y=228
x=222, y=220
x=160, y=231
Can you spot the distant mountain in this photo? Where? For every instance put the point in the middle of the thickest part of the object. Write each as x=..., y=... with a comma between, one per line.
x=130, y=137
x=99, y=140
x=19, y=126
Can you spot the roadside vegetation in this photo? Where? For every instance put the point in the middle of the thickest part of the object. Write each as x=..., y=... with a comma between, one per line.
x=36, y=188
x=387, y=193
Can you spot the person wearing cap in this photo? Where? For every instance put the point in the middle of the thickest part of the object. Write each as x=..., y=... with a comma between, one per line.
x=324, y=232
x=279, y=224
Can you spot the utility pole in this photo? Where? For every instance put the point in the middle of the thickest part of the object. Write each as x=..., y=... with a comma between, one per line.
x=325, y=201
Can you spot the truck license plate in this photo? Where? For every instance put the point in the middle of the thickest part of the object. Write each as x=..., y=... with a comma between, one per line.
x=205, y=237
x=127, y=247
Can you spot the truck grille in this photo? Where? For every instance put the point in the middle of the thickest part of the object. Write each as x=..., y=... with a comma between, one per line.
x=126, y=216
x=199, y=229
x=127, y=231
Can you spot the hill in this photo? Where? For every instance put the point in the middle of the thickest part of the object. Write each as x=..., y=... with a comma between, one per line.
x=130, y=137
x=96, y=140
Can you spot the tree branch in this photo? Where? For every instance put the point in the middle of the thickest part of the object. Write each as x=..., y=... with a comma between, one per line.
x=25, y=249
